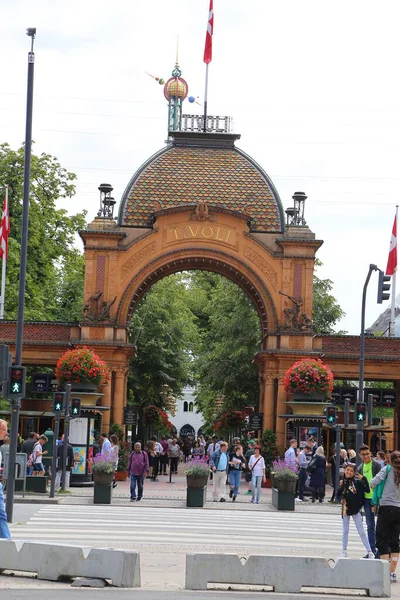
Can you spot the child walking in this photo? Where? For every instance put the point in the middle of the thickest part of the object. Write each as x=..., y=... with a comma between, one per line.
x=351, y=496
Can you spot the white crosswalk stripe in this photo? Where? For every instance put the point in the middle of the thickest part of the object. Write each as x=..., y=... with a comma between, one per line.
x=189, y=530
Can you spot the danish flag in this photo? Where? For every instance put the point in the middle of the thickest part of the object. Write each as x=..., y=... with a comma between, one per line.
x=210, y=31
x=392, y=260
x=4, y=230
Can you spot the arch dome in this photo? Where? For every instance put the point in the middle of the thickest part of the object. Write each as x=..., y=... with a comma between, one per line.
x=202, y=167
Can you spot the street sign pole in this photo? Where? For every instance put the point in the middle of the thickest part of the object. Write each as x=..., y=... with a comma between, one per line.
x=67, y=418
x=16, y=402
x=337, y=470
x=54, y=458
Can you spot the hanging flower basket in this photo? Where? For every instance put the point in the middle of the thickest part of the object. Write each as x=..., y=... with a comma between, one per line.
x=82, y=367
x=309, y=378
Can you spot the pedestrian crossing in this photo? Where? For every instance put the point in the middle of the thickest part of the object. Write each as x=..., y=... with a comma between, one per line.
x=182, y=530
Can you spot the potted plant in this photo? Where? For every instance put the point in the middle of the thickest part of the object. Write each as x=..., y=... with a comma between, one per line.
x=197, y=473
x=82, y=368
x=309, y=379
x=103, y=474
x=269, y=451
x=120, y=474
x=284, y=485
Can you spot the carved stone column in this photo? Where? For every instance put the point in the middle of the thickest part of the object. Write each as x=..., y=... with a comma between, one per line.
x=106, y=401
x=119, y=399
x=280, y=424
x=269, y=400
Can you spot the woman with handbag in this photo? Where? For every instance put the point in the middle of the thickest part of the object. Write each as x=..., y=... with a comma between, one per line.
x=257, y=468
x=316, y=468
x=388, y=526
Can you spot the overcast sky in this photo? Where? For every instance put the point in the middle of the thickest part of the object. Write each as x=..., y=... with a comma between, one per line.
x=313, y=88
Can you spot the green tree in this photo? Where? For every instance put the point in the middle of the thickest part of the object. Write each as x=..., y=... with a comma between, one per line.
x=164, y=329
x=230, y=335
x=52, y=233
x=326, y=310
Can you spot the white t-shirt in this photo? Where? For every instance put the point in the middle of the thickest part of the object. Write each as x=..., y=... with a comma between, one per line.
x=260, y=466
x=37, y=448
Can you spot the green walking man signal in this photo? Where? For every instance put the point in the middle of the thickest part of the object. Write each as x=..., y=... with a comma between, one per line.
x=75, y=407
x=331, y=415
x=16, y=382
x=360, y=412
x=58, y=402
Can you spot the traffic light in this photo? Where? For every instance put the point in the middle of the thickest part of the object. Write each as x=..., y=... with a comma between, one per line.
x=383, y=287
x=361, y=412
x=58, y=402
x=331, y=415
x=16, y=382
x=75, y=407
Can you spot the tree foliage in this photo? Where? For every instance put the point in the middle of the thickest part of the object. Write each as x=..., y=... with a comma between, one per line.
x=164, y=329
x=326, y=310
x=51, y=253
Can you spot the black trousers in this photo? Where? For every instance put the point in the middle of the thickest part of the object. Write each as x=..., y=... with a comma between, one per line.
x=174, y=464
x=388, y=530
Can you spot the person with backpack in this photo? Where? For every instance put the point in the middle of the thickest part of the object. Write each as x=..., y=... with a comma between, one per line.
x=351, y=495
x=36, y=458
x=138, y=467
x=388, y=525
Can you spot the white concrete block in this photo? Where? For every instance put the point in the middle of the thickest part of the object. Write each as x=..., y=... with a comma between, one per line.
x=51, y=561
x=288, y=573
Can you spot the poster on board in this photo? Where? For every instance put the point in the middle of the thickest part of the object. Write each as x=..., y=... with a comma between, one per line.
x=79, y=467
x=78, y=431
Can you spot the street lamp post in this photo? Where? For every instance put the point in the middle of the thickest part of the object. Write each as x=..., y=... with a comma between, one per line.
x=16, y=403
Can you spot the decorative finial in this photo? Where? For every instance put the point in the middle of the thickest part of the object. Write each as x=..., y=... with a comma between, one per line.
x=177, y=49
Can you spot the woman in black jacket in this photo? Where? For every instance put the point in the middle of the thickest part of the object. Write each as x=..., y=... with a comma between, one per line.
x=351, y=495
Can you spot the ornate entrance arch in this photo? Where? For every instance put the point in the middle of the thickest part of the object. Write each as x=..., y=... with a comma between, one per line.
x=201, y=203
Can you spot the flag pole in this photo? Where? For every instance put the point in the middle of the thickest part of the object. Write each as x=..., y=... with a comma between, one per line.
x=205, y=101
x=393, y=306
x=3, y=274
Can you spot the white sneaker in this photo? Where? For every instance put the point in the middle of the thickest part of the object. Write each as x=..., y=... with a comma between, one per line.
x=343, y=554
x=298, y=500
x=370, y=555
x=393, y=578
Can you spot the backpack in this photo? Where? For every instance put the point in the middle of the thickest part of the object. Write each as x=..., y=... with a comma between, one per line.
x=30, y=461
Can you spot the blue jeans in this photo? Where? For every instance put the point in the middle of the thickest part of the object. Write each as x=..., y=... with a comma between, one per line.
x=234, y=480
x=256, y=483
x=370, y=519
x=136, y=479
x=4, y=531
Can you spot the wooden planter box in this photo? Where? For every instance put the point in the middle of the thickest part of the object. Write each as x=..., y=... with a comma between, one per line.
x=283, y=500
x=196, y=497
x=267, y=483
x=120, y=476
x=102, y=494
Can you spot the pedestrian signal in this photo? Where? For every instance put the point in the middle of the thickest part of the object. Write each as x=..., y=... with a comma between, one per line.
x=16, y=382
x=360, y=412
x=58, y=402
x=331, y=415
x=383, y=287
x=75, y=407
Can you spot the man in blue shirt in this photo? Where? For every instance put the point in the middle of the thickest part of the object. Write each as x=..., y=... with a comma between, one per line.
x=219, y=465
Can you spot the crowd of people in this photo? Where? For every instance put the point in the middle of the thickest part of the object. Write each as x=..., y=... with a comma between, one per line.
x=356, y=494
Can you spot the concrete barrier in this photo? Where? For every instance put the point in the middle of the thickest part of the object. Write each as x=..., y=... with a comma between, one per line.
x=288, y=573
x=51, y=561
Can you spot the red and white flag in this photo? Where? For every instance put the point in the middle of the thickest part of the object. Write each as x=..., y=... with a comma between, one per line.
x=392, y=260
x=4, y=230
x=210, y=31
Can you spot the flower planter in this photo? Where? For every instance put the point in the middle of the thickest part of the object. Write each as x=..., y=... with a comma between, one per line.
x=313, y=397
x=102, y=494
x=102, y=478
x=196, y=481
x=267, y=483
x=120, y=476
x=283, y=500
x=286, y=485
x=84, y=387
x=196, y=496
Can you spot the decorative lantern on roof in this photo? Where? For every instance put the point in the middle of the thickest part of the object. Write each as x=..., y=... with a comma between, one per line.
x=175, y=90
